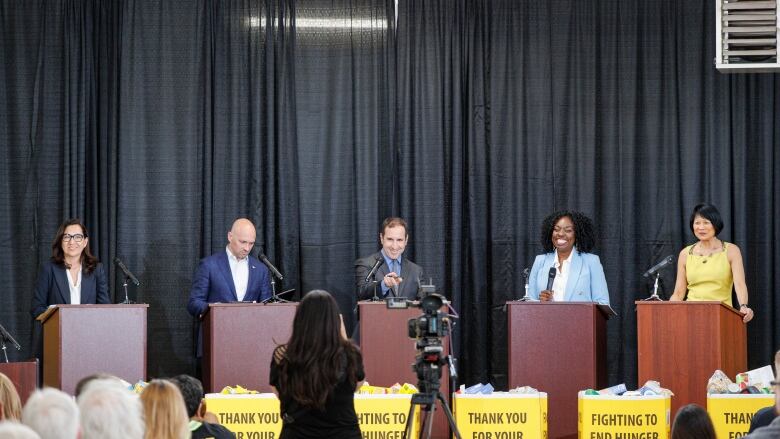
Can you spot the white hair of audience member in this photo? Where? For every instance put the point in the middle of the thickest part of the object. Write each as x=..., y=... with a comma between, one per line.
x=107, y=381
x=109, y=411
x=15, y=430
x=52, y=413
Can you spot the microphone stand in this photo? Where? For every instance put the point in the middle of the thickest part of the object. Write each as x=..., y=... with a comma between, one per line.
x=654, y=296
x=276, y=298
x=525, y=298
x=127, y=300
x=4, y=335
x=375, y=298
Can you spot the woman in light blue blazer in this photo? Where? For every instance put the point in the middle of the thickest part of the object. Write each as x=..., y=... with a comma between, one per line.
x=574, y=274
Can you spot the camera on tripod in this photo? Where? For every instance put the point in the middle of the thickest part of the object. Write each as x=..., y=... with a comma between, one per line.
x=428, y=330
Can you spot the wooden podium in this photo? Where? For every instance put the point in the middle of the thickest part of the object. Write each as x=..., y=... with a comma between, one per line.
x=24, y=375
x=80, y=340
x=558, y=348
x=681, y=344
x=239, y=340
x=389, y=353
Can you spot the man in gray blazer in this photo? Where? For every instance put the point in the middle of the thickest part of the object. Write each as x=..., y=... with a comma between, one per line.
x=396, y=275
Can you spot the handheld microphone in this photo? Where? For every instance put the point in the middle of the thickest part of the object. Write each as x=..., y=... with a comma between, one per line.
x=127, y=272
x=666, y=261
x=551, y=278
x=270, y=266
x=371, y=273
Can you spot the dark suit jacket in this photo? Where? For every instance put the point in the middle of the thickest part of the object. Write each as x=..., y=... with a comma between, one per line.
x=213, y=283
x=52, y=288
x=410, y=272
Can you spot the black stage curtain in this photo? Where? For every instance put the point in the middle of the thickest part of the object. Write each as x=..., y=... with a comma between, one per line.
x=161, y=122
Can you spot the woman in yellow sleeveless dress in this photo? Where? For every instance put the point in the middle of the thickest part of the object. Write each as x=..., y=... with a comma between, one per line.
x=708, y=269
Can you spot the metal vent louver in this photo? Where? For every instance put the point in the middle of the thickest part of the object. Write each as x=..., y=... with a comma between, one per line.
x=747, y=35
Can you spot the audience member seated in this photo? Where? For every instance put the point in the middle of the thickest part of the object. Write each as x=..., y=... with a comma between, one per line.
x=164, y=411
x=109, y=411
x=10, y=406
x=85, y=382
x=52, y=414
x=192, y=391
x=14, y=430
x=692, y=422
x=766, y=415
x=773, y=429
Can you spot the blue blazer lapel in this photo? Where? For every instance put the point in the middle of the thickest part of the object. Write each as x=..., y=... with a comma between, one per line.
x=61, y=278
x=574, y=275
x=224, y=267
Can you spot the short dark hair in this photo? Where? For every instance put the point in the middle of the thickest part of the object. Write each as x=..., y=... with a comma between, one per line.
x=394, y=221
x=708, y=212
x=192, y=391
x=584, y=232
x=692, y=422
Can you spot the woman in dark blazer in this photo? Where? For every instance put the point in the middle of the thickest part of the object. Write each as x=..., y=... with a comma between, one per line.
x=73, y=275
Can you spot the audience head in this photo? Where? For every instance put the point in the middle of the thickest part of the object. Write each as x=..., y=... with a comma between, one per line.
x=10, y=406
x=109, y=411
x=100, y=377
x=52, y=414
x=14, y=430
x=192, y=391
x=164, y=411
x=692, y=422
x=578, y=228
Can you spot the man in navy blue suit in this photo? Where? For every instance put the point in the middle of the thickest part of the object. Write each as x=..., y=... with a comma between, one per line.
x=232, y=275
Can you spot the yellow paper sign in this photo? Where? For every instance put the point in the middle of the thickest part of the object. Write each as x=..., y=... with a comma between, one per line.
x=248, y=416
x=731, y=414
x=501, y=416
x=257, y=416
x=624, y=417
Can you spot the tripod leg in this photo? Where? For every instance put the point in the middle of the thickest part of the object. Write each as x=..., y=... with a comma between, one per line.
x=448, y=413
x=409, y=422
x=428, y=421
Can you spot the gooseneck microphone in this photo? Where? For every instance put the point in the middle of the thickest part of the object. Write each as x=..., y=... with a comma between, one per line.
x=551, y=278
x=666, y=261
x=127, y=272
x=270, y=266
x=371, y=273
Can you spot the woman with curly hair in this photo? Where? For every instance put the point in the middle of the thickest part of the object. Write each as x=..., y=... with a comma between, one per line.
x=316, y=373
x=567, y=239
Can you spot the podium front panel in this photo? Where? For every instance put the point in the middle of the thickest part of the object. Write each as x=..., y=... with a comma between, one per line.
x=558, y=348
x=239, y=340
x=681, y=344
x=81, y=340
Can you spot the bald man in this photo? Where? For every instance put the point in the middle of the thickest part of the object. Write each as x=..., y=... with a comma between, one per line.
x=233, y=275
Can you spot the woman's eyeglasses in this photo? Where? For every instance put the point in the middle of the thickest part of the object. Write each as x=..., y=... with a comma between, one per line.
x=77, y=237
